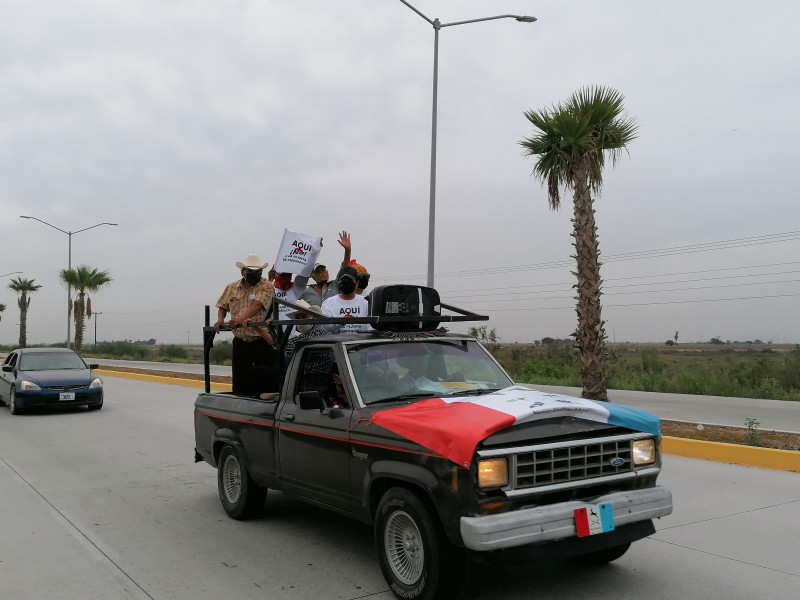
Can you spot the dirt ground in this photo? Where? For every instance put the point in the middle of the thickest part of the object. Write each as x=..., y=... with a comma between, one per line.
x=694, y=431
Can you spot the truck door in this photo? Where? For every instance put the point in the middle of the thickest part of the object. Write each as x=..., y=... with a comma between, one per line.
x=315, y=444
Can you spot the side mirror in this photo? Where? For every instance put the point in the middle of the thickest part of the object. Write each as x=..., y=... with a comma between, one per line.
x=8, y=368
x=311, y=401
x=94, y=366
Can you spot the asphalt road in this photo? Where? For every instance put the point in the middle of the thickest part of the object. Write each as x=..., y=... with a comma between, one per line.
x=772, y=415
x=110, y=505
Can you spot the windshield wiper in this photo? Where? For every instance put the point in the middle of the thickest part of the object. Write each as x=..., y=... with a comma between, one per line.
x=401, y=397
x=475, y=392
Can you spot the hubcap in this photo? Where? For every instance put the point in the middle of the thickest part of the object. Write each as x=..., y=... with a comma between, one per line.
x=403, y=547
x=231, y=479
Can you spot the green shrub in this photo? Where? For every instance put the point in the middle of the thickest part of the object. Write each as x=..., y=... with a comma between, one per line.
x=173, y=352
x=221, y=353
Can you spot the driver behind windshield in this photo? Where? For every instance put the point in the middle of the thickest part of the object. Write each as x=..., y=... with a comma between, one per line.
x=416, y=379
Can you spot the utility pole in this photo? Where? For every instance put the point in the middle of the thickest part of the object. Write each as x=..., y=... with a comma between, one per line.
x=95, y=314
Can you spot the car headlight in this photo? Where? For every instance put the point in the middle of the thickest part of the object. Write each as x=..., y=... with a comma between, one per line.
x=644, y=452
x=96, y=383
x=492, y=472
x=28, y=385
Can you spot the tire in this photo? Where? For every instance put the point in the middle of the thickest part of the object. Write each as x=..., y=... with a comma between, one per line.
x=240, y=496
x=95, y=406
x=13, y=405
x=416, y=558
x=602, y=557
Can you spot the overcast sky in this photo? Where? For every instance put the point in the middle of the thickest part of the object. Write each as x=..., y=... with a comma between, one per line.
x=205, y=127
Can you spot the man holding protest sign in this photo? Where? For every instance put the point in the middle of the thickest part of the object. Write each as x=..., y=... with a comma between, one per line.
x=297, y=254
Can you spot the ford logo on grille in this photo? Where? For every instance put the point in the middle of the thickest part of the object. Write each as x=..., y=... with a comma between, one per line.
x=617, y=461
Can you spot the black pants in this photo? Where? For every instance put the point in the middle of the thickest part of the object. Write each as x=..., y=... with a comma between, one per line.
x=249, y=362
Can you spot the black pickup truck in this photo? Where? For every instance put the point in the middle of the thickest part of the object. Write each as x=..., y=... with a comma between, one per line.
x=422, y=434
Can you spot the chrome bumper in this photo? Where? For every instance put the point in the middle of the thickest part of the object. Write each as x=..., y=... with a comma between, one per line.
x=557, y=521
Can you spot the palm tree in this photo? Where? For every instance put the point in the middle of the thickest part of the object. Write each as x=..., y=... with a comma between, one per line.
x=23, y=287
x=2, y=308
x=84, y=279
x=572, y=141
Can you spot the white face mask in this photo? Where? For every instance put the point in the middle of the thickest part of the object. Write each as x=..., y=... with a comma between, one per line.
x=304, y=328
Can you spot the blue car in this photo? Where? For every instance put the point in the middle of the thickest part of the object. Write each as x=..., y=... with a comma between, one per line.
x=41, y=377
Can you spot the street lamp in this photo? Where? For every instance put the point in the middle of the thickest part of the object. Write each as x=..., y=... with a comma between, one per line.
x=69, y=263
x=437, y=25
x=95, y=314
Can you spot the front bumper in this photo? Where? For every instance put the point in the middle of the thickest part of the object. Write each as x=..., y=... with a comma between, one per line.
x=34, y=398
x=557, y=521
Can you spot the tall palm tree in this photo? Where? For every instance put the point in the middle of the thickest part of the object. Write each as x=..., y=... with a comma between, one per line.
x=2, y=308
x=83, y=279
x=23, y=287
x=572, y=141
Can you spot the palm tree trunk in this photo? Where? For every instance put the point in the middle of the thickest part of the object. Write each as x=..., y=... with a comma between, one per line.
x=80, y=315
x=23, y=303
x=590, y=336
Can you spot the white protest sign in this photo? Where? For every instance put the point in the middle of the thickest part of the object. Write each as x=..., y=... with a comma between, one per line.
x=298, y=253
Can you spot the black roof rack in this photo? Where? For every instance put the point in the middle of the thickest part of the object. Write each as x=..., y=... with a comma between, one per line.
x=282, y=329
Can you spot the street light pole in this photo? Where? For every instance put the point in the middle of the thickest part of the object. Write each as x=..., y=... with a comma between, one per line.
x=69, y=263
x=94, y=314
x=437, y=25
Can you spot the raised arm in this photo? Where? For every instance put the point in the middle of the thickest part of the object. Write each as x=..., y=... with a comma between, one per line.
x=344, y=242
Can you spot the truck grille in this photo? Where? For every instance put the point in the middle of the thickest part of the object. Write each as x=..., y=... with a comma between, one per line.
x=548, y=466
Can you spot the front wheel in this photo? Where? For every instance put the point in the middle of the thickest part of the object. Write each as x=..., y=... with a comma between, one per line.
x=240, y=496
x=416, y=559
x=13, y=405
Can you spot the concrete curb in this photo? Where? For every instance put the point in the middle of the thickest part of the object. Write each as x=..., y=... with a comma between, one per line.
x=749, y=456
x=763, y=458
x=195, y=383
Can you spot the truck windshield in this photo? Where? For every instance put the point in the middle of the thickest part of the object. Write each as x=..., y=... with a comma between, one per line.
x=417, y=369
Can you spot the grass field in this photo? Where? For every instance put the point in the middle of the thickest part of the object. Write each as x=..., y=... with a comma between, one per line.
x=743, y=371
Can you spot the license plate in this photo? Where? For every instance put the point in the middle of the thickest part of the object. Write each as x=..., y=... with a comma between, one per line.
x=66, y=396
x=593, y=519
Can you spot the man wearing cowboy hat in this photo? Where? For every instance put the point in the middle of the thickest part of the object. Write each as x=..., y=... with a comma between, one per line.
x=247, y=299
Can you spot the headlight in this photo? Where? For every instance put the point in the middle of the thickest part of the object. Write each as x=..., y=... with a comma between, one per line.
x=644, y=452
x=492, y=472
x=96, y=383
x=28, y=385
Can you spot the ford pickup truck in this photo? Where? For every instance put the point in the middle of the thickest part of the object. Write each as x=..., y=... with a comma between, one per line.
x=422, y=434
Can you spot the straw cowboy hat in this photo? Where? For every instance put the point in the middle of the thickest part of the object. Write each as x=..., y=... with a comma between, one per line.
x=253, y=263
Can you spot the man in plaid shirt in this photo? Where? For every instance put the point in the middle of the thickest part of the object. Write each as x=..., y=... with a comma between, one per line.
x=247, y=299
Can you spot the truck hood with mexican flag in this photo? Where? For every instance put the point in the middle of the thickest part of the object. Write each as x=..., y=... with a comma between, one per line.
x=454, y=426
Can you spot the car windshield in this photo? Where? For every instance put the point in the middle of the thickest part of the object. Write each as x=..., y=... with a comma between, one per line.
x=419, y=369
x=49, y=361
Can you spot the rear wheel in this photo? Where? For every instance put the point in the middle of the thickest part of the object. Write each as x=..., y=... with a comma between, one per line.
x=13, y=405
x=415, y=556
x=602, y=557
x=240, y=496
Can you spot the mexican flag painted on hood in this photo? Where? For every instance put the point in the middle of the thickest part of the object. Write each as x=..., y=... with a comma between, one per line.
x=453, y=427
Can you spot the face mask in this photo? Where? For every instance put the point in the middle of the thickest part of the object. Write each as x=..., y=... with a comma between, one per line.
x=304, y=328
x=347, y=286
x=283, y=281
x=363, y=282
x=253, y=278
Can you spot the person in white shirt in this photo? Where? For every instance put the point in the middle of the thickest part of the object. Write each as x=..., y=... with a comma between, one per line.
x=347, y=304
